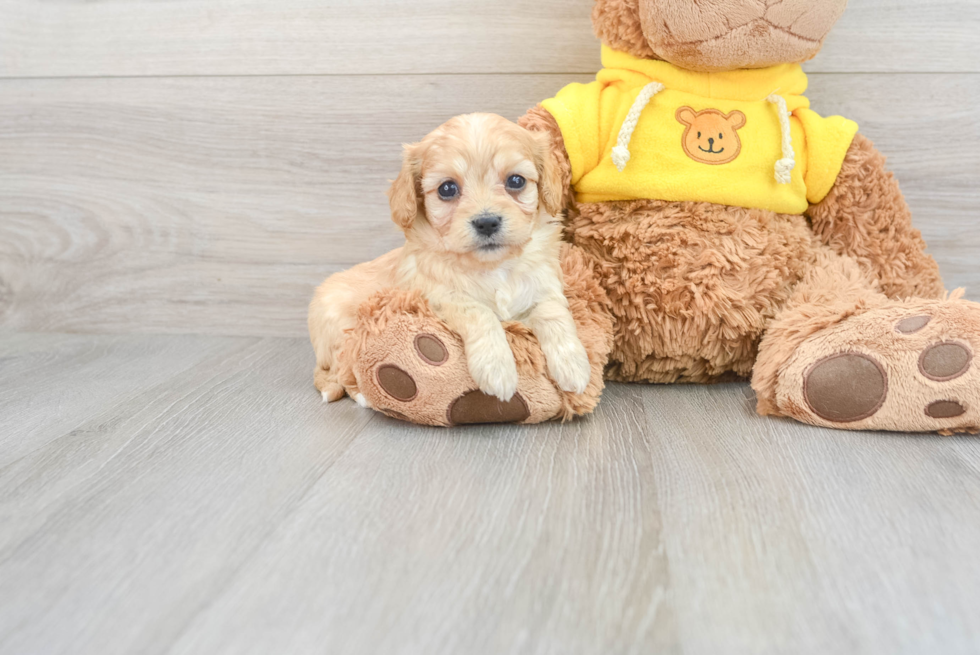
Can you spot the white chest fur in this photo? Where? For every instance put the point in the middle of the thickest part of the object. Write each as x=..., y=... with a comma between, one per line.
x=510, y=292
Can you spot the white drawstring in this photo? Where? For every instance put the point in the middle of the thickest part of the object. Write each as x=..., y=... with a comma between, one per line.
x=621, y=153
x=785, y=166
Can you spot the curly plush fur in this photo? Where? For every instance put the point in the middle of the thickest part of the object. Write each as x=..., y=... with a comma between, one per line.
x=703, y=292
x=693, y=285
x=389, y=323
x=838, y=316
x=865, y=217
x=617, y=24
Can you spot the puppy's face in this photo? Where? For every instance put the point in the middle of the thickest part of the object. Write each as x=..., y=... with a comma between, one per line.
x=475, y=188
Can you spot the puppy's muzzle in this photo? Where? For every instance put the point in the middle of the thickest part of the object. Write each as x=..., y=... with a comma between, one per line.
x=487, y=225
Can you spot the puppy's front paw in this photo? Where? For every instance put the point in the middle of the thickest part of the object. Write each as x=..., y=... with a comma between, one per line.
x=495, y=373
x=569, y=366
x=332, y=392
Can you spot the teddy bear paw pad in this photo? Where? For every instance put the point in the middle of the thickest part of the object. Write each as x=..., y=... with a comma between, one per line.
x=845, y=387
x=477, y=407
x=945, y=409
x=945, y=361
x=397, y=383
x=431, y=350
x=912, y=324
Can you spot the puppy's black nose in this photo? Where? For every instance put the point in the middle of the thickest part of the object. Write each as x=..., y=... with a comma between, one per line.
x=711, y=143
x=487, y=225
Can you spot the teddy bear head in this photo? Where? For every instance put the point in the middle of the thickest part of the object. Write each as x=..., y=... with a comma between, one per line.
x=717, y=35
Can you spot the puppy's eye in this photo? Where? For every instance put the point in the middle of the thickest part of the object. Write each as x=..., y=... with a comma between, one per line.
x=448, y=190
x=699, y=135
x=516, y=183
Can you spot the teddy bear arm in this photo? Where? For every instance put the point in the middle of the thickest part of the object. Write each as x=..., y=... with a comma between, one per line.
x=866, y=216
x=405, y=362
x=538, y=119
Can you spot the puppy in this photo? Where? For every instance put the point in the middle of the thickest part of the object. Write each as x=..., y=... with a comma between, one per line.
x=477, y=200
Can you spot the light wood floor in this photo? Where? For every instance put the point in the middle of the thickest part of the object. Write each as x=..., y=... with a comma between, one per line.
x=189, y=494
x=175, y=179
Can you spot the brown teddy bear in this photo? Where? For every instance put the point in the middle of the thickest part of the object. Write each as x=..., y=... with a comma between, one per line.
x=733, y=232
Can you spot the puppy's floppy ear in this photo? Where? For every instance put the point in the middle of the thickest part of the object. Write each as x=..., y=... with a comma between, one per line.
x=550, y=186
x=404, y=196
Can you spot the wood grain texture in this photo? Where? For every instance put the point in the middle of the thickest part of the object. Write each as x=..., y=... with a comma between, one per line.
x=49, y=386
x=216, y=37
x=190, y=494
x=216, y=205
x=118, y=533
x=784, y=538
x=226, y=510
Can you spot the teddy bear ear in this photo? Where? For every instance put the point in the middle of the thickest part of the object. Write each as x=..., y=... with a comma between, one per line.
x=617, y=24
x=736, y=119
x=686, y=115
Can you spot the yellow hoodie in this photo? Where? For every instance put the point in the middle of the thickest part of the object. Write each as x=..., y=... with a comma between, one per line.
x=746, y=138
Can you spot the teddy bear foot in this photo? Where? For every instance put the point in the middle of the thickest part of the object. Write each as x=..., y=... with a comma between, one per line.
x=410, y=366
x=421, y=378
x=403, y=361
x=907, y=366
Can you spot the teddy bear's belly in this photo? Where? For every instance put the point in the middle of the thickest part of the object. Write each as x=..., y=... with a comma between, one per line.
x=693, y=285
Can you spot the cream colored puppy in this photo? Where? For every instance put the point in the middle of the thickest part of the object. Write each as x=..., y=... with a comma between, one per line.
x=476, y=200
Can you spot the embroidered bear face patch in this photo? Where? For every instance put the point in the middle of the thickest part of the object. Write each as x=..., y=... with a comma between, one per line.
x=711, y=136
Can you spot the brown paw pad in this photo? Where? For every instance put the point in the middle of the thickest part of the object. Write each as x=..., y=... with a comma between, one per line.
x=431, y=350
x=477, y=407
x=945, y=409
x=912, y=324
x=845, y=388
x=397, y=383
x=945, y=361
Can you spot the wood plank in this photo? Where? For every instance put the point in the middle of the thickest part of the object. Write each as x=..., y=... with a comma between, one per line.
x=188, y=485
x=902, y=36
x=289, y=37
x=52, y=384
x=217, y=205
x=540, y=539
x=174, y=205
x=226, y=510
x=784, y=538
x=115, y=535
